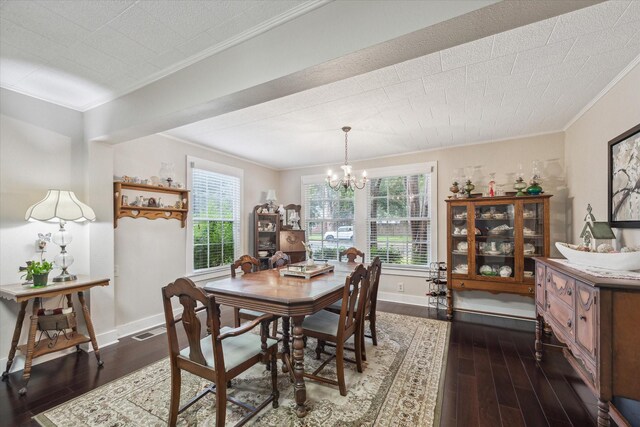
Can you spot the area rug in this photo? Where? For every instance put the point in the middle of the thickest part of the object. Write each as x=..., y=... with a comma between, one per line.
x=400, y=386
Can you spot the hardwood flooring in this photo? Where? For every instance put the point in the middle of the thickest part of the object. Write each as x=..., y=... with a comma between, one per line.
x=491, y=377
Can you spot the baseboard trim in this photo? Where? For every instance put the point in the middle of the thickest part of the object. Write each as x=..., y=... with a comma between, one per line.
x=143, y=324
x=418, y=300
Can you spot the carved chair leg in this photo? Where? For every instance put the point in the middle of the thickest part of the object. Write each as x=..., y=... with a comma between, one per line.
x=264, y=331
x=274, y=378
x=174, y=406
x=340, y=369
x=236, y=317
x=286, y=351
x=221, y=403
x=274, y=328
x=372, y=326
x=319, y=348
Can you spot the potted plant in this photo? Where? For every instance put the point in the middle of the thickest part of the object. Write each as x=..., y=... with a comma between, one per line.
x=39, y=272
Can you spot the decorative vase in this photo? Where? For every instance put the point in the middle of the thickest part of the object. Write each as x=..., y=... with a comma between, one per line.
x=40, y=280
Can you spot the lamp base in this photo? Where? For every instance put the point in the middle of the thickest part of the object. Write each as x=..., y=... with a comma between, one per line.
x=65, y=277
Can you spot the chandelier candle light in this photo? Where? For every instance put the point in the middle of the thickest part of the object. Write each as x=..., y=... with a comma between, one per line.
x=348, y=181
x=63, y=206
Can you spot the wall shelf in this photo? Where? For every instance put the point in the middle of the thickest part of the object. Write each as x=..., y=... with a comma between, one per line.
x=121, y=210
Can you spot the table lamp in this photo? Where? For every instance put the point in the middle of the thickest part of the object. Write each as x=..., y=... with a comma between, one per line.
x=63, y=206
x=271, y=199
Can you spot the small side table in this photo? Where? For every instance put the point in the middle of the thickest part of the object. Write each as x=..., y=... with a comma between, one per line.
x=22, y=294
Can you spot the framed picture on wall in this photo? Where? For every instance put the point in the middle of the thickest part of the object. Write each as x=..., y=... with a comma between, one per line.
x=624, y=179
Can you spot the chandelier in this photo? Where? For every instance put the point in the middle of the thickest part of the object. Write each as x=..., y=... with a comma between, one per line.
x=348, y=181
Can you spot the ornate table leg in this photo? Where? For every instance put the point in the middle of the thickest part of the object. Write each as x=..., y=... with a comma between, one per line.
x=538, y=344
x=603, y=414
x=75, y=328
x=87, y=320
x=286, y=352
x=298, y=367
x=16, y=338
x=31, y=342
x=449, y=304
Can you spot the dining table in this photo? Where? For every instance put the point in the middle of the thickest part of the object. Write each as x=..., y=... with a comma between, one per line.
x=293, y=298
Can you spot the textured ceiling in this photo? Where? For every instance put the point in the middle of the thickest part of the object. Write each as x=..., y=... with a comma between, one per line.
x=81, y=53
x=529, y=80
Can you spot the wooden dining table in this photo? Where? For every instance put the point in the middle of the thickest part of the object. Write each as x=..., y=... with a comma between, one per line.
x=290, y=297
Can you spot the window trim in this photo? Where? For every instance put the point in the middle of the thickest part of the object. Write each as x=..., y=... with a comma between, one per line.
x=360, y=206
x=210, y=166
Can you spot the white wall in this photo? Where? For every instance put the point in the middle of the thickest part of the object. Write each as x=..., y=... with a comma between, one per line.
x=499, y=157
x=586, y=151
x=39, y=149
x=151, y=253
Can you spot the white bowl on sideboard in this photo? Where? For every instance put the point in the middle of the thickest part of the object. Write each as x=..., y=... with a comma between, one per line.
x=623, y=261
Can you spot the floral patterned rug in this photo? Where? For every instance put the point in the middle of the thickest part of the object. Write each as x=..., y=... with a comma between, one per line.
x=400, y=386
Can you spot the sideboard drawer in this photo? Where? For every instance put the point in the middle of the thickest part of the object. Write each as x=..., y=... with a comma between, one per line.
x=586, y=317
x=562, y=315
x=561, y=286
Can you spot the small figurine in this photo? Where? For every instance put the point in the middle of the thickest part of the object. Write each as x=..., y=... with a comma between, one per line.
x=309, y=251
x=152, y=203
x=492, y=184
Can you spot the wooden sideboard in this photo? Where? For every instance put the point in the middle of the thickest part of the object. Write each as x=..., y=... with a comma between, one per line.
x=597, y=318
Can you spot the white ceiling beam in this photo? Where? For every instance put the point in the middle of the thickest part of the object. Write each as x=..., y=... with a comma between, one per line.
x=336, y=41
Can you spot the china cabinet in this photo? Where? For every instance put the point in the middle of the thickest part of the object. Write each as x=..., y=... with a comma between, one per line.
x=491, y=242
x=267, y=233
x=129, y=201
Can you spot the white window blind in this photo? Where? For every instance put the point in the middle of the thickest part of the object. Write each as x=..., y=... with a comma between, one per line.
x=399, y=219
x=328, y=219
x=216, y=218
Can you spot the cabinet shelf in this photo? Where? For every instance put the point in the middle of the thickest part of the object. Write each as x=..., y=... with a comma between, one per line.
x=121, y=210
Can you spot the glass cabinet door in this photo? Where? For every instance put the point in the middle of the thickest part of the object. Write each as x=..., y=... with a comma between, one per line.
x=460, y=245
x=532, y=236
x=495, y=241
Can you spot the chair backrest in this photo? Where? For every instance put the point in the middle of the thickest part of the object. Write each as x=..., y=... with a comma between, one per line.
x=279, y=259
x=351, y=254
x=374, y=270
x=353, y=299
x=246, y=263
x=189, y=295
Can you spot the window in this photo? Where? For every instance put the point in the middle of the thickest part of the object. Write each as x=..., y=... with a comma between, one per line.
x=328, y=219
x=393, y=217
x=216, y=207
x=399, y=218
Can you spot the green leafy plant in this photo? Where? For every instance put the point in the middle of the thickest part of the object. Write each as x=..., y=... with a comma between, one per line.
x=38, y=267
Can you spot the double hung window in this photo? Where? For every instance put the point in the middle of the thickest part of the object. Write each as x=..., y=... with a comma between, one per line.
x=393, y=217
x=216, y=206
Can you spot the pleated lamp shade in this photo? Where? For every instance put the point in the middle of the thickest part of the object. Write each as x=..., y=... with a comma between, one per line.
x=60, y=205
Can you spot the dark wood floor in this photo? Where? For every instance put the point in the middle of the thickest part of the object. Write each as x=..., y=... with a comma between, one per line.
x=491, y=378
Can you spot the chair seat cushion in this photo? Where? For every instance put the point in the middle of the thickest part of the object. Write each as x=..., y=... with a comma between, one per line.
x=234, y=349
x=244, y=312
x=323, y=321
x=337, y=306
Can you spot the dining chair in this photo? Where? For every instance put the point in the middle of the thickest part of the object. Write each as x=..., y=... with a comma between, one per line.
x=371, y=301
x=334, y=328
x=248, y=265
x=279, y=259
x=218, y=357
x=351, y=254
